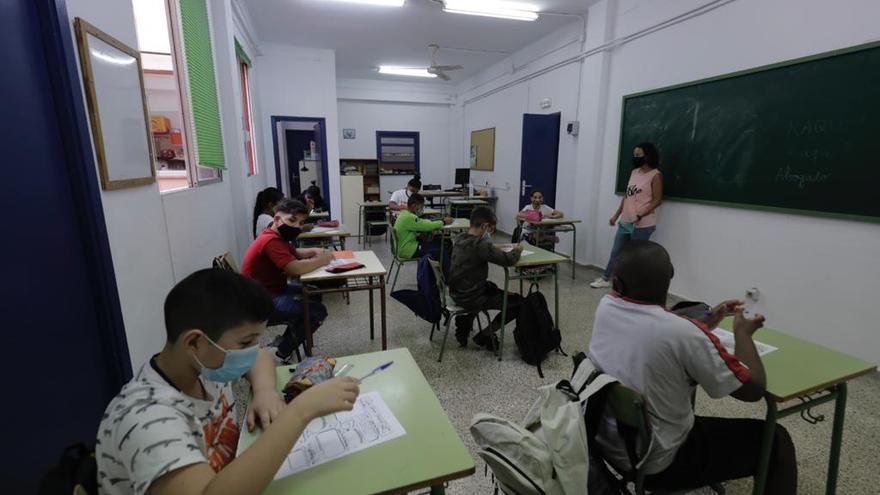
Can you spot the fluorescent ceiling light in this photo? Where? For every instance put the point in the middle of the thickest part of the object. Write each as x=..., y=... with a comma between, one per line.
x=381, y=3
x=405, y=71
x=492, y=8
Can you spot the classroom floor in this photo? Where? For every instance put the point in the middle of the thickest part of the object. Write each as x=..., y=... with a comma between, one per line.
x=470, y=380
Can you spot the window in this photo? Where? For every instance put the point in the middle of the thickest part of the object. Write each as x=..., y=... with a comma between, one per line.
x=247, y=123
x=179, y=161
x=398, y=152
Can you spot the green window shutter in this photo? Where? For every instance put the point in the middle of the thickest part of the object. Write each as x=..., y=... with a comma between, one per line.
x=239, y=50
x=208, y=137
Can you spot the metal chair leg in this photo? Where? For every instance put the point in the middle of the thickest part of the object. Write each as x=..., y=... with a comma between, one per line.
x=445, y=336
x=433, y=326
x=396, y=274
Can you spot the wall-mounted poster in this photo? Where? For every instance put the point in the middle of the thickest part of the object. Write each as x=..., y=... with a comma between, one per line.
x=348, y=134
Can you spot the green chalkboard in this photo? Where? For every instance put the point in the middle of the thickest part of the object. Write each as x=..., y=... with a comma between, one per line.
x=802, y=135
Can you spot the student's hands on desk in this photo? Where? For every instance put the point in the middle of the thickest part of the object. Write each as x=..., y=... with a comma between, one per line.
x=447, y=220
x=334, y=395
x=721, y=311
x=266, y=406
x=744, y=325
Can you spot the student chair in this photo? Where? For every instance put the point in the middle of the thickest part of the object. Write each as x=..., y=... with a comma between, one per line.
x=628, y=408
x=397, y=259
x=448, y=308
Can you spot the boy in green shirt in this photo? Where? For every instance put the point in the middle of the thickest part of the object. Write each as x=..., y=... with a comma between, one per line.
x=408, y=227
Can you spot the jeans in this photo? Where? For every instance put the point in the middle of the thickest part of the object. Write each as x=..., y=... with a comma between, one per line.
x=289, y=308
x=620, y=240
x=492, y=298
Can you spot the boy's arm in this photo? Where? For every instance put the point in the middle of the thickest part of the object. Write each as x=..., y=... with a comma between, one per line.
x=267, y=404
x=300, y=267
x=489, y=252
x=251, y=472
x=304, y=253
x=419, y=225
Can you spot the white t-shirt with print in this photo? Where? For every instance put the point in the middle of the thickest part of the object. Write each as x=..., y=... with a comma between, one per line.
x=263, y=221
x=663, y=356
x=150, y=428
x=545, y=211
x=400, y=196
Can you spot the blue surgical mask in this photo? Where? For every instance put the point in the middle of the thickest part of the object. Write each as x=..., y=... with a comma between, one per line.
x=486, y=236
x=236, y=363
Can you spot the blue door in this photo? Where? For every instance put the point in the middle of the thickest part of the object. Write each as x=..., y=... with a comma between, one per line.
x=63, y=350
x=540, y=154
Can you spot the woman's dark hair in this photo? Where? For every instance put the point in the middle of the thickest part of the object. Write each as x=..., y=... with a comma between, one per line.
x=313, y=192
x=267, y=196
x=416, y=182
x=652, y=157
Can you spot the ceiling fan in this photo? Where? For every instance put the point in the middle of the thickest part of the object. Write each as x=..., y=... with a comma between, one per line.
x=440, y=70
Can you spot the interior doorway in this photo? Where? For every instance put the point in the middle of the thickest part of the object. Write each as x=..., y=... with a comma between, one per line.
x=300, y=146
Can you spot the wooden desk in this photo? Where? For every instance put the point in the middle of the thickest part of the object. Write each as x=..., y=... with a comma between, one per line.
x=799, y=369
x=429, y=454
x=441, y=195
x=363, y=229
x=457, y=206
x=326, y=235
x=369, y=278
x=538, y=257
x=558, y=225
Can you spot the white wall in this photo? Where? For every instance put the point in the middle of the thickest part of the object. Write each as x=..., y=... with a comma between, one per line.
x=156, y=240
x=431, y=121
x=817, y=276
x=299, y=82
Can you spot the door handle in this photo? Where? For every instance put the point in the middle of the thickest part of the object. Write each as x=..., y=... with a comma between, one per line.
x=522, y=191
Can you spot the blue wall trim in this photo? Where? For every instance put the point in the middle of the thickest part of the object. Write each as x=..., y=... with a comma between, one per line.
x=72, y=116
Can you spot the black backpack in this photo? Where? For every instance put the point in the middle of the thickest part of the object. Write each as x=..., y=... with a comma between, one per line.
x=535, y=333
x=76, y=473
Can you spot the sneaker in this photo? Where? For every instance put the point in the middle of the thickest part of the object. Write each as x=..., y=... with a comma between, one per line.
x=489, y=341
x=461, y=335
x=600, y=283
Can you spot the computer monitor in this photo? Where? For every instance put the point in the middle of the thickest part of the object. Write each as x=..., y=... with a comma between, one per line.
x=462, y=176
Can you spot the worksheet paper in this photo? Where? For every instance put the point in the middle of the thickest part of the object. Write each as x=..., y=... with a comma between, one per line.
x=370, y=423
x=727, y=341
x=525, y=252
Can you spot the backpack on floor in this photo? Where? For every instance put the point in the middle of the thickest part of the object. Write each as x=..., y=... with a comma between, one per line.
x=548, y=454
x=76, y=473
x=535, y=333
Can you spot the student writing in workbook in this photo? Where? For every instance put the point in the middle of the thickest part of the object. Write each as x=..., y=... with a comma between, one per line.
x=400, y=197
x=469, y=283
x=536, y=211
x=665, y=356
x=636, y=217
x=172, y=430
x=414, y=234
x=264, y=208
x=272, y=258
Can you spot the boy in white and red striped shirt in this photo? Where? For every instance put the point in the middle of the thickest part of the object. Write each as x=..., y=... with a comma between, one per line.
x=665, y=356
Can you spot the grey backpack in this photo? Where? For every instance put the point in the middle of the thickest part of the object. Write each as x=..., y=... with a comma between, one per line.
x=547, y=454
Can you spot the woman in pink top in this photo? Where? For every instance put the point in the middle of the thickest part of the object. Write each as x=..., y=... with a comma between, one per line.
x=637, y=210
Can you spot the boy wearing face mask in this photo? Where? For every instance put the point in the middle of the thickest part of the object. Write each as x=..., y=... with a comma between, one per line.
x=172, y=428
x=272, y=258
x=409, y=226
x=469, y=283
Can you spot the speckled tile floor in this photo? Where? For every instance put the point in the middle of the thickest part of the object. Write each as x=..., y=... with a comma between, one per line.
x=470, y=381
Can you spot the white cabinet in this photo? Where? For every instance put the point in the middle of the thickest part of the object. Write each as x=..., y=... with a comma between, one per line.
x=352, y=190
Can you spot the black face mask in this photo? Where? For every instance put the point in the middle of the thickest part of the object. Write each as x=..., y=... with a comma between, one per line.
x=638, y=161
x=289, y=233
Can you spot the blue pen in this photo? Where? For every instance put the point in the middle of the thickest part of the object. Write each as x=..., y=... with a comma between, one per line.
x=377, y=369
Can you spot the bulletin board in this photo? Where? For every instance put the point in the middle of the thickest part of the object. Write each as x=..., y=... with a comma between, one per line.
x=482, y=150
x=117, y=102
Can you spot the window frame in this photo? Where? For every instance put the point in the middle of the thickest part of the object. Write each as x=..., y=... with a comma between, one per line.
x=247, y=118
x=399, y=134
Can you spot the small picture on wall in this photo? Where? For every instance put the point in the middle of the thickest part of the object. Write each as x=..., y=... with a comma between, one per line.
x=348, y=134
x=473, y=156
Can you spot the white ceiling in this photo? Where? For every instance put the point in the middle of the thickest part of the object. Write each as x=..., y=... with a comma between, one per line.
x=367, y=36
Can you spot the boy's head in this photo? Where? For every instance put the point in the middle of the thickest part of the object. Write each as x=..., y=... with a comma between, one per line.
x=643, y=271
x=229, y=309
x=537, y=198
x=483, y=221
x=414, y=185
x=290, y=215
x=415, y=202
